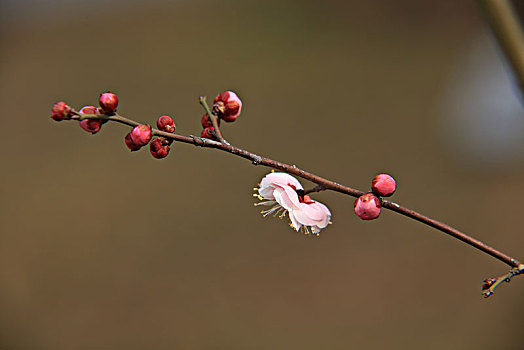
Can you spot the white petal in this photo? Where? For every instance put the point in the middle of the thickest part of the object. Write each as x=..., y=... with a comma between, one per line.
x=294, y=222
x=266, y=192
x=280, y=179
x=287, y=197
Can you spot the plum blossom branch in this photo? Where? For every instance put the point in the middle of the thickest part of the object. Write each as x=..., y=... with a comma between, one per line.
x=303, y=211
x=323, y=183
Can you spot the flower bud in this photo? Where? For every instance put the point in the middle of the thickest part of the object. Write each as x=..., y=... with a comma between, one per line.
x=60, y=111
x=367, y=207
x=130, y=144
x=141, y=135
x=383, y=185
x=158, y=149
x=208, y=133
x=165, y=123
x=91, y=125
x=488, y=282
x=89, y=110
x=206, y=122
x=227, y=106
x=108, y=102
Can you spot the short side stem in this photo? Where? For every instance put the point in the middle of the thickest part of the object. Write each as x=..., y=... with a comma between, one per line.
x=317, y=188
x=213, y=118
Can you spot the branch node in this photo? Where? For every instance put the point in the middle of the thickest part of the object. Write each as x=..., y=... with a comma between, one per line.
x=256, y=159
x=198, y=141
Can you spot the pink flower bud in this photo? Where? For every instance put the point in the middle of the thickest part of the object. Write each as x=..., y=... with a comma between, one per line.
x=141, y=135
x=91, y=125
x=367, y=207
x=165, y=123
x=158, y=149
x=208, y=133
x=227, y=106
x=206, y=122
x=108, y=101
x=383, y=185
x=130, y=144
x=60, y=111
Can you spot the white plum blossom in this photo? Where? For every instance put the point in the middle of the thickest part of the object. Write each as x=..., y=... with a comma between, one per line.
x=279, y=190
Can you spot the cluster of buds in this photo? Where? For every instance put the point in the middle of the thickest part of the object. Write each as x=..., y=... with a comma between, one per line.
x=91, y=119
x=367, y=206
x=160, y=146
x=226, y=106
x=142, y=134
x=108, y=103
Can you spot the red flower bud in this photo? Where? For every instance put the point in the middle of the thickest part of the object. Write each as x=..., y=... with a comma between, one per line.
x=130, y=144
x=91, y=125
x=227, y=106
x=60, y=111
x=367, y=207
x=89, y=110
x=383, y=185
x=158, y=149
x=206, y=122
x=165, y=123
x=208, y=133
x=108, y=101
x=141, y=135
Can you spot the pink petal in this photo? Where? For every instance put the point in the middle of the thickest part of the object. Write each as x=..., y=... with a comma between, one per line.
x=326, y=214
x=280, y=179
x=287, y=198
x=292, y=196
x=314, y=214
x=303, y=219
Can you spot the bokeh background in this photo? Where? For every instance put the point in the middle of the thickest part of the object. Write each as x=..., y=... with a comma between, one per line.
x=101, y=248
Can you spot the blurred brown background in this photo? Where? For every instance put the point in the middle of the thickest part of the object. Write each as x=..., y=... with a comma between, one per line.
x=101, y=248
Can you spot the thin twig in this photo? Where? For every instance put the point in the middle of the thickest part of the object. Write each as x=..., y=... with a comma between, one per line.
x=491, y=284
x=213, y=118
x=317, y=188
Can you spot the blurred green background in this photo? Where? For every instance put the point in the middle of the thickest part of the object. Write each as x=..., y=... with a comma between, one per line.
x=101, y=248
